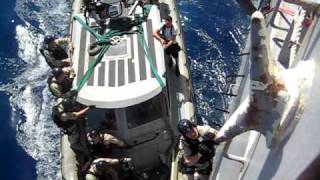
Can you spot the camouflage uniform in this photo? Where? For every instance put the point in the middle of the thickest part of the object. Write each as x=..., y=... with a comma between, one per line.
x=94, y=174
x=205, y=133
x=74, y=129
x=61, y=89
x=52, y=59
x=109, y=139
x=104, y=139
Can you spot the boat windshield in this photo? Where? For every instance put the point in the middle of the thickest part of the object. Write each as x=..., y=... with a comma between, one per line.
x=145, y=112
x=102, y=117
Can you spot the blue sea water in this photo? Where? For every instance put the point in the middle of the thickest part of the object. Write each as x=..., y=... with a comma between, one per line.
x=214, y=33
x=15, y=163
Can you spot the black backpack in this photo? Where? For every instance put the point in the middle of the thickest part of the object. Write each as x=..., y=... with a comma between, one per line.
x=58, y=54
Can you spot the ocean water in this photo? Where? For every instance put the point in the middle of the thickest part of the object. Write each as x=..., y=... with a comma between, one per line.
x=214, y=31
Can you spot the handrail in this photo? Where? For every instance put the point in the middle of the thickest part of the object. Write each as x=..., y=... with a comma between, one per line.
x=236, y=158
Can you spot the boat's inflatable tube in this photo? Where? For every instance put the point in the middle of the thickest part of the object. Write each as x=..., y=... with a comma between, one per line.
x=69, y=163
x=68, y=160
x=306, y=3
x=187, y=109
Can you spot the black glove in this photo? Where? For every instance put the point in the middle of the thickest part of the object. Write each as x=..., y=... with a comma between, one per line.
x=92, y=107
x=73, y=93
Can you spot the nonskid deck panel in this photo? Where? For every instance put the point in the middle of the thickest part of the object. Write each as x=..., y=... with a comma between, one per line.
x=118, y=66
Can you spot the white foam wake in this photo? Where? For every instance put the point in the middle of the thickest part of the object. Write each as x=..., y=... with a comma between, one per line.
x=29, y=97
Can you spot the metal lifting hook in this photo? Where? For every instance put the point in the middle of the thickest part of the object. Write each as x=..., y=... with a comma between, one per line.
x=115, y=40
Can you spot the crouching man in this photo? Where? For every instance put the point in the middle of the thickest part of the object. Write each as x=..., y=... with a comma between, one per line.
x=104, y=168
x=198, y=148
x=102, y=143
x=54, y=52
x=166, y=34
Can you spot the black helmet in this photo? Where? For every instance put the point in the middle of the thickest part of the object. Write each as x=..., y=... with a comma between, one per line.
x=69, y=105
x=126, y=163
x=101, y=165
x=185, y=126
x=49, y=39
x=91, y=135
x=57, y=72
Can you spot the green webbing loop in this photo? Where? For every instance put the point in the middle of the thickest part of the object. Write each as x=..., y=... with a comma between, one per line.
x=146, y=49
x=90, y=70
x=86, y=27
x=147, y=9
x=104, y=40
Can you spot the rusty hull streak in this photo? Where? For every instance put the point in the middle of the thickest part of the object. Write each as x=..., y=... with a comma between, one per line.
x=274, y=88
x=252, y=115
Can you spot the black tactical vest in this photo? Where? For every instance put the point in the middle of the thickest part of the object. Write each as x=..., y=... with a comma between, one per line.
x=58, y=53
x=64, y=125
x=194, y=146
x=65, y=85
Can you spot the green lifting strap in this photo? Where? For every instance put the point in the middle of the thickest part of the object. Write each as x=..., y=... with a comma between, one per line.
x=101, y=39
x=90, y=70
x=104, y=40
x=86, y=27
x=143, y=43
x=146, y=49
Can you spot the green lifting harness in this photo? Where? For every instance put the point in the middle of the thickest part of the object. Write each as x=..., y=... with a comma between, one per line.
x=104, y=41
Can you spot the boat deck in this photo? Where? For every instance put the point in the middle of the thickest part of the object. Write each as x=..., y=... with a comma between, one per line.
x=124, y=76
